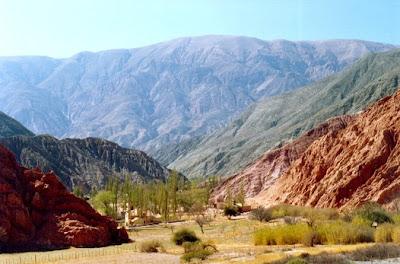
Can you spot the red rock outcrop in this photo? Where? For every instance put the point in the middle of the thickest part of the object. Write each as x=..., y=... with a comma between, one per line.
x=263, y=173
x=38, y=212
x=348, y=167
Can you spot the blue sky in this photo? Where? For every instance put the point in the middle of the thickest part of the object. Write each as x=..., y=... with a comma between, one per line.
x=61, y=28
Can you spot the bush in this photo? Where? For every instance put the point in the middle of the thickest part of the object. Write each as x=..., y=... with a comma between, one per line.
x=372, y=212
x=184, y=235
x=231, y=210
x=340, y=232
x=152, y=246
x=200, y=254
x=283, y=235
x=261, y=214
x=383, y=233
x=197, y=250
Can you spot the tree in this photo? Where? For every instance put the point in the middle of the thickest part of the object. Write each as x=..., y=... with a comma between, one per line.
x=173, y=189
x=102, y=202
x=202, y=220
x=113, y=186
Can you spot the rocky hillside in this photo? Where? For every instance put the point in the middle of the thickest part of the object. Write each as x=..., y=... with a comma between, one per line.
x=265, y=171
x=276, y=120
x=345, y=168
x=164, y=93
x=37, y=212
x=10, y=127
x=87, y=163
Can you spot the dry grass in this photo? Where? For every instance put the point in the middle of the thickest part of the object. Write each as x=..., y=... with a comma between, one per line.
x=233, y=239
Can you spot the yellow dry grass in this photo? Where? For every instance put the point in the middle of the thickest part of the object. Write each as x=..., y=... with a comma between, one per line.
x=233, y=238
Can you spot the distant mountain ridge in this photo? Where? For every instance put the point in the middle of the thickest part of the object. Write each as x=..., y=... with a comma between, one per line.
x=164, y=93
x=274, y=121
x=11, y=127
x=88, y=163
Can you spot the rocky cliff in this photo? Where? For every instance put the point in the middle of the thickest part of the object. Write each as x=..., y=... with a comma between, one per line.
x=38, y=212
x=88, y=163
x=265, y=171
x=347, y=167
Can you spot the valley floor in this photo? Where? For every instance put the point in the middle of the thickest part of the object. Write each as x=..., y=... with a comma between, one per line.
x=233, y=239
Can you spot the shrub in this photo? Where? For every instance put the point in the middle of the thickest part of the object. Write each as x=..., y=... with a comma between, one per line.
x=152, y=246
x=378, y=251
x=197, y=250
x=282, y=235
x=340, y=232
x=383, y=233
x=200, y=254
x=372, y=212
x=184, y=235
x=261, y=214
x=231, y=210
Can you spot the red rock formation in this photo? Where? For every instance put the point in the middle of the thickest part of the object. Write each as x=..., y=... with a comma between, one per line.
x=348, y=167
x=263, y=173
x=37, y=211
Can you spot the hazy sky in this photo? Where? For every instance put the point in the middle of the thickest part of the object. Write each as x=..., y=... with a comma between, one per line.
x=61, y=28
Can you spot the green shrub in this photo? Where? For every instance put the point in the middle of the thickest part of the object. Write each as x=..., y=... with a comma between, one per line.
x=261, y=214
x=197, y=250
x=373, y=212
x=282, y=235
x=231, y=210
x=184, y=235
x=340, y=232
x=152, y=246
x=383, y=233
x=200, y=254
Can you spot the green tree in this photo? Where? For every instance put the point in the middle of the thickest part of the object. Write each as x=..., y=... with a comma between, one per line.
x=103, y=201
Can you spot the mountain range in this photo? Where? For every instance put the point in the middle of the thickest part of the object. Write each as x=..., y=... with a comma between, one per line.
x=274, y=121
x=165, y=93
x=86, y=163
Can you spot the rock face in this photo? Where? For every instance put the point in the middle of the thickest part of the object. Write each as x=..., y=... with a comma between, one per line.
x=38, y=212
x=263, y=173
x=87, y=163
x=281, y=118
x=345, y=168
x=163, y=93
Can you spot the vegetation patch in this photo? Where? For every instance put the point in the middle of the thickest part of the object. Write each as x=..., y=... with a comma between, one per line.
x=184, y=235
x=152, y=246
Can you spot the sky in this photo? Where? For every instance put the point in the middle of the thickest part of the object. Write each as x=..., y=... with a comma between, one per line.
x=61, y=28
